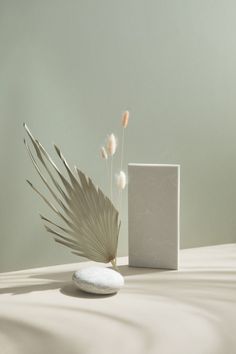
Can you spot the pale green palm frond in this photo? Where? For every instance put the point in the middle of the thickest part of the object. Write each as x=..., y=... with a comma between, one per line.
x=91, y=221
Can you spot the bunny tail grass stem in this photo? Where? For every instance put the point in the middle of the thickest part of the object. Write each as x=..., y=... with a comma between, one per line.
x=124, y=123
x=104, y=156
x=111, y=149
x=120, y=203
x=121, y=168
x=111, y=177
x=122, y=148
x=108, y=174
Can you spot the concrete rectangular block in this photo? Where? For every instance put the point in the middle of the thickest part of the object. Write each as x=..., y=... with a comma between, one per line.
x=153, y=215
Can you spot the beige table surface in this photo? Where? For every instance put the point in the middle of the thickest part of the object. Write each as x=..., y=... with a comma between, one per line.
x=190, y=311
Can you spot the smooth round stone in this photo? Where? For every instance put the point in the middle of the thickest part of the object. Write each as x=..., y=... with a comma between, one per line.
x=98, y=280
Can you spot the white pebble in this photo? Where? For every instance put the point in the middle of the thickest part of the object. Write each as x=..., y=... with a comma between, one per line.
x=98, y=280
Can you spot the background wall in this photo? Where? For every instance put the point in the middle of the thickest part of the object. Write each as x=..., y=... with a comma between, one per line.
x=69, y=69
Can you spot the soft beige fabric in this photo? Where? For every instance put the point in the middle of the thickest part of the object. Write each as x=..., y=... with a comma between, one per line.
x=190, y=311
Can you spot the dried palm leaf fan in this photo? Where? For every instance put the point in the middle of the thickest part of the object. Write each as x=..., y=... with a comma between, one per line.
x=92, y=221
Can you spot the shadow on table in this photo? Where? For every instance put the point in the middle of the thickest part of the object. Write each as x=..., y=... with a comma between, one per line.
x=65, y=288
x=62, y=281
x=126, y=270
x=70, y=290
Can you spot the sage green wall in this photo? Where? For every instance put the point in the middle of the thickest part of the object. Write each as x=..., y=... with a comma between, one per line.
x=69, y=68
